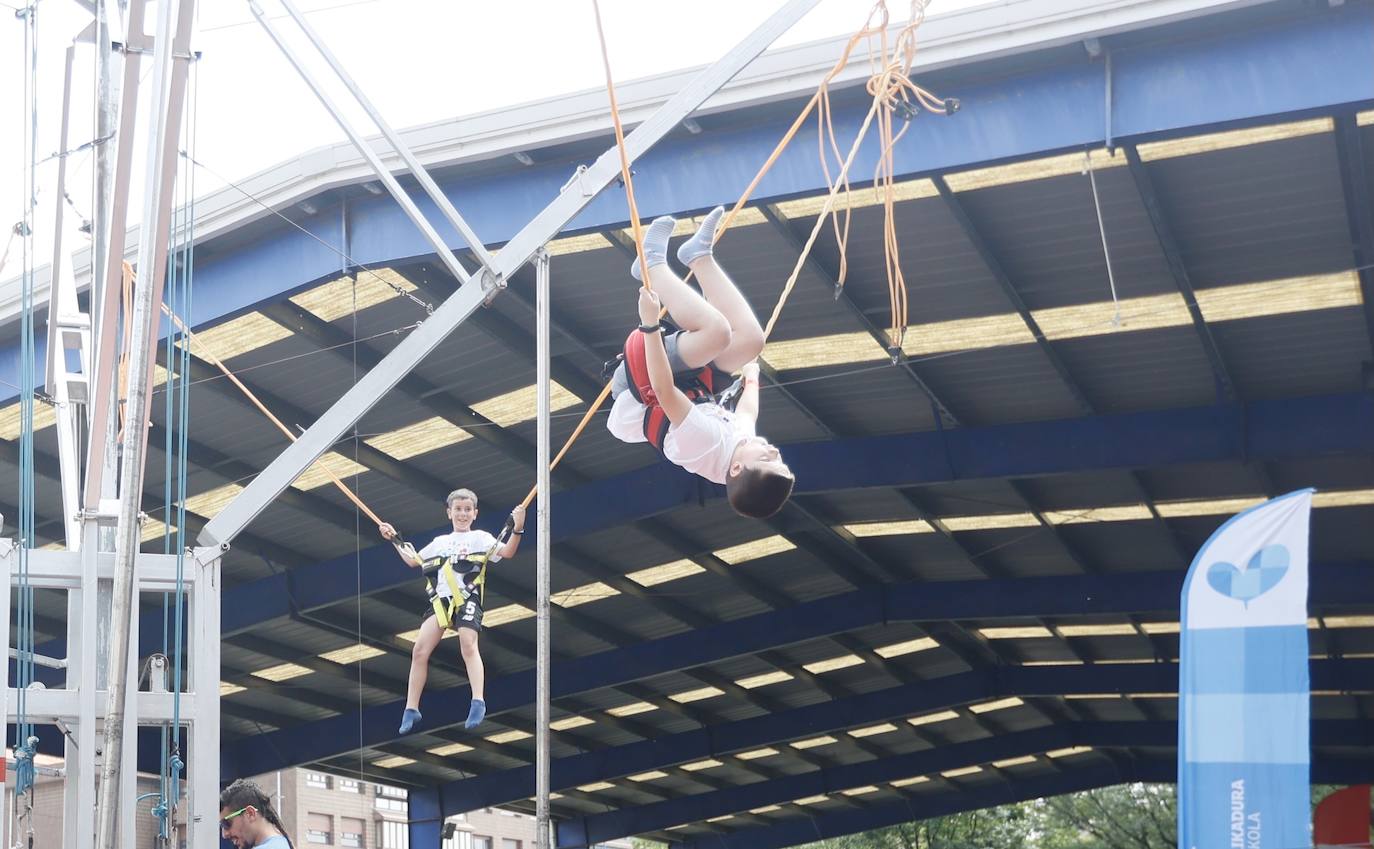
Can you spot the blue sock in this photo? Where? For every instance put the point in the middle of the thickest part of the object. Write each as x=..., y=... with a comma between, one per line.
x=476, y=714
x=700, y=244
x=409, y=720
x=655, y=244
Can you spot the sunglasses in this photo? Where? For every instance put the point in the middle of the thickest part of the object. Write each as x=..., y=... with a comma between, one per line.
x=224, y=823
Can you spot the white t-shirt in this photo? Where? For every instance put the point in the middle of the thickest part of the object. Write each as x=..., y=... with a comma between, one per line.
x=459, y=544
x=702, y=444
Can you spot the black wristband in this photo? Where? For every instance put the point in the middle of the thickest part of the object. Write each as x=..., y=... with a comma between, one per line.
x=518, y=533
x=650, y=328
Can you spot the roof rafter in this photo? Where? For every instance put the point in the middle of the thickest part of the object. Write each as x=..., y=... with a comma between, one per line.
x=1173, y=255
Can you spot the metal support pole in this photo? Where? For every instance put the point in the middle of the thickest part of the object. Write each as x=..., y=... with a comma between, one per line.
x=383, y=173
x=421, y=175
x=543, y=550
x=169, y=78
x=64, y=322
x=202, y=781
x=545, y=225
x=100, y=464
x=106, y=121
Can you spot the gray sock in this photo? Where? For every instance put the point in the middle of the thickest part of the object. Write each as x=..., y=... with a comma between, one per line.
x=655, y=244
x=700, y=244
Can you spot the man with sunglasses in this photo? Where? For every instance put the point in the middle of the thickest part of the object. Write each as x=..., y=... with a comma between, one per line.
x=247, y=819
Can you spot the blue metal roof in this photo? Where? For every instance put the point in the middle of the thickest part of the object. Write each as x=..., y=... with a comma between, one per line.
x=1142, y=417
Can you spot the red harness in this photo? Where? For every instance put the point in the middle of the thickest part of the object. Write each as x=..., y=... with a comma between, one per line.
x=701, y=386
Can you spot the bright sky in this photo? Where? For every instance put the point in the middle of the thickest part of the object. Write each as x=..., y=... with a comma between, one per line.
x=418, y=60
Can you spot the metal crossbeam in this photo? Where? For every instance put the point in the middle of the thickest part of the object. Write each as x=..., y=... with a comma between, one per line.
x=403, y=359
x=1077, y=595
x=1173, y=256
x=826, y=824
x=999, y=273
x=827, y=273
x=893, y=703
x=592, y=829
x=1359, y=209
x=925, y=805
x=1322, y=425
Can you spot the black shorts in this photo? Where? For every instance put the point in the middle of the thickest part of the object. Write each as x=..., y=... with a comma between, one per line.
x=466, y=615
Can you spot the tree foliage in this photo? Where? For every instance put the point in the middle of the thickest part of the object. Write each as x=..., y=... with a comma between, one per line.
x=1127, y=816
x=1130, y=816
x=1004, y=827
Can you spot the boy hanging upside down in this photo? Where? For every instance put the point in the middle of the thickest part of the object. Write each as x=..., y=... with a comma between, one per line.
x=455, y=564
x=669, y=389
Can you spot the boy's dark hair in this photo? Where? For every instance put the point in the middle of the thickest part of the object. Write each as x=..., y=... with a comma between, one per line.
x=244, y=792
x=758, y=493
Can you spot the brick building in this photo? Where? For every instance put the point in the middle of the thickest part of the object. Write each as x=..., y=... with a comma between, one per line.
x=46, y=818
x=319, y=809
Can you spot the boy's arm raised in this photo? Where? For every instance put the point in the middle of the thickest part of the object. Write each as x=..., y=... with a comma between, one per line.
x=674, y=403
x=517, y=518
x=747, y=407
x=403, y=548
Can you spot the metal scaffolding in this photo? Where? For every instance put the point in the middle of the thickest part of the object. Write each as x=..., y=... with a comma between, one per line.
x=102, y=571
x=477, y=288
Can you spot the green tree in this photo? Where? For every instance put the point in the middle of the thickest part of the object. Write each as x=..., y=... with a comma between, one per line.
x=1005, y=827
x=1127, y=816
x=1132, y=816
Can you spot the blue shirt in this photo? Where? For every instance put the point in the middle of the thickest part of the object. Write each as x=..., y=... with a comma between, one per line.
x=276, y=841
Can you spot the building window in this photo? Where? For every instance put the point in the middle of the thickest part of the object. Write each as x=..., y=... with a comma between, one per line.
x=349, y=785
x=392, y=835
x=391, y=799
x=510, y=843
x=481, y=842
x=459, y=840
x=317, y=779
x=319, y=828
x=351, y=831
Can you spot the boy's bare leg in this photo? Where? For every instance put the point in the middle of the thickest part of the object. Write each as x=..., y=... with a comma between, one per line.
x=746, y=339
x=472, y=660
x=430, y=632
x=706, y=331
x=477, y=676
x=425, y=642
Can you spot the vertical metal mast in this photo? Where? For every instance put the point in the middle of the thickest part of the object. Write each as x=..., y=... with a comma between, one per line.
x=170, y=61
x=542, y=552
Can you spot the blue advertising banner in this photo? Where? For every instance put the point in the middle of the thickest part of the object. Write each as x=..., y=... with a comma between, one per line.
x=1243, y=750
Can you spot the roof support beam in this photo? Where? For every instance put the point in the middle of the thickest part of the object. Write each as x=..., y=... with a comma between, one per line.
x=209, y=376
x=598, y=828
x=402, y=359
x=919, y=806
x=1173, y=255
x=1060, y=596
x=824, y=272
x=1321, y=425
x=1359, y=210
x=232, y=471
x=892, y=704
x=994, y=266
x=46, y=466
x=439, y=285
x=424, y=393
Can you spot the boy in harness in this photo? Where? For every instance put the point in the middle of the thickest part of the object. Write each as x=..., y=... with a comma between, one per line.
x=455, y=567
x=672, y=388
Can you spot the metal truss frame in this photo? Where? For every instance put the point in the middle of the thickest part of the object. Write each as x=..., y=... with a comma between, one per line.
x=81, y=704
x=403, y=359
